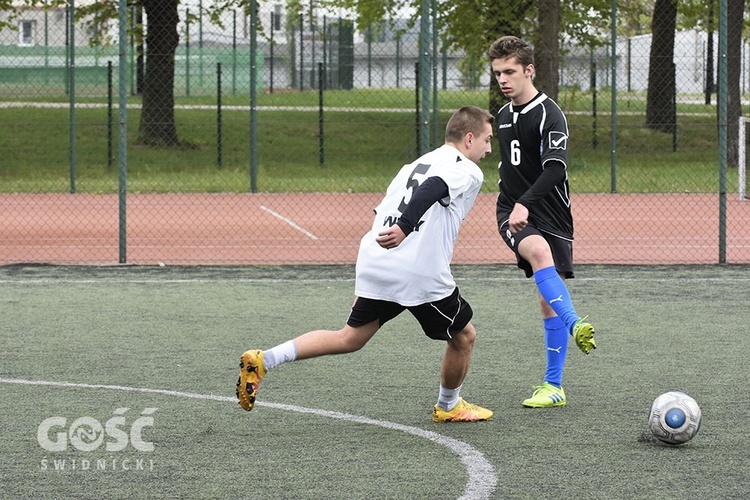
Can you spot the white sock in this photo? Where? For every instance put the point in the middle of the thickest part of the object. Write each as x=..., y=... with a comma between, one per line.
x=448, y=398
x=282, y=353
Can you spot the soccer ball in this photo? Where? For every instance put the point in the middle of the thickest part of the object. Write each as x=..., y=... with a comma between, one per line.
x=674, y=418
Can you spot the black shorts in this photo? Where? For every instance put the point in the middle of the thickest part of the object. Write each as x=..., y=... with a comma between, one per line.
x=440, y=320
x=562, y=249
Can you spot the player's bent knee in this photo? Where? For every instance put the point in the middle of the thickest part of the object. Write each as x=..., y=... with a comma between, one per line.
x=466, y=337
x=536, y=250
x=354, y=339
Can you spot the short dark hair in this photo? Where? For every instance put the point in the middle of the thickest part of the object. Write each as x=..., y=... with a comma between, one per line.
x=467, y=119
x=512, y=46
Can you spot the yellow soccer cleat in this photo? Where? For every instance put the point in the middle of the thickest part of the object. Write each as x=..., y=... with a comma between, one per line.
x=583, y=334
x=462, y=412
x=545, y=396
x=251, y=373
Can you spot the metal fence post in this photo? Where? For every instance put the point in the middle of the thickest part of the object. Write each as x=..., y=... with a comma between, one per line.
x=435, y=122
x=218, y=116
x=234, y=52
x=321, y=135
x=110, y=158
x=187, y=52
x=723, y=96
x=122, y=150
x=613, y=116
x=418, y=119
x=72, y=86
x=253, y=99
x=424, y=75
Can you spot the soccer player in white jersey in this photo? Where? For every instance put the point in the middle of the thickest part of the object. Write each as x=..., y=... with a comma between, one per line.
x=533, y=207
x=404, y=263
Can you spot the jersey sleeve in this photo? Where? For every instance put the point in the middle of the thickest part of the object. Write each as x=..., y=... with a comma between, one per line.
x=554, y=135
x=461, y=178
x=552, y=175
x=432, y=190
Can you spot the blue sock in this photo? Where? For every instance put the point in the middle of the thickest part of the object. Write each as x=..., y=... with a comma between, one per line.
x=556, y=340
x=554, y=291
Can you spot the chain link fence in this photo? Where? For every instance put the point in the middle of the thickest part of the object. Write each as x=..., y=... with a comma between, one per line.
x=271, y=142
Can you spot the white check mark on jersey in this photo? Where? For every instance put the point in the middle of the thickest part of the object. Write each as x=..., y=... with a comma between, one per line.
x=558, y=142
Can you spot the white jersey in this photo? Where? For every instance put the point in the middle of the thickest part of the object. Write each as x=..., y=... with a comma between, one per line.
x=418, y=270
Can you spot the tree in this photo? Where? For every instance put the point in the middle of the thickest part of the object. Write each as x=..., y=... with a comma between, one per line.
x=465, y=25
x=660, y=108
x=502, y=24
x=660, y=101
x=472, y=25
x=710, y=53
x=547, y=50
x=157, y=125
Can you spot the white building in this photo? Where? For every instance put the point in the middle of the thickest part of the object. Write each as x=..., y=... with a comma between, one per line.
x=290, y=52
x=633, y=57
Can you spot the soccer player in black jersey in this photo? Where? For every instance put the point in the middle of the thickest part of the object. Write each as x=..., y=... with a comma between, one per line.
x=533, y=206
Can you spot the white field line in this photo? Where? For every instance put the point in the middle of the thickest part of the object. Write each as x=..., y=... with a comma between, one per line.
x=290, y=222
x=482, y=477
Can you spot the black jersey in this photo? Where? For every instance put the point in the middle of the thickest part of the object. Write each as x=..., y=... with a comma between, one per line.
x=530, y=136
